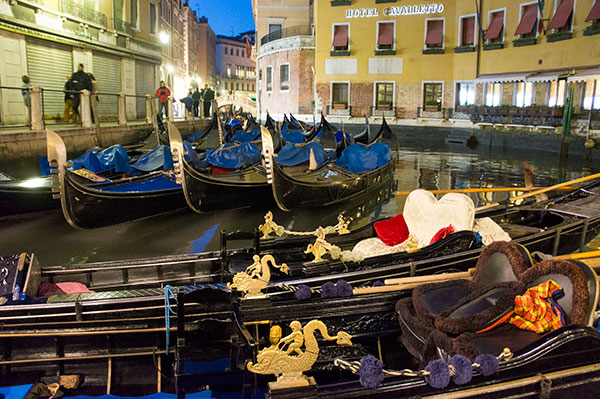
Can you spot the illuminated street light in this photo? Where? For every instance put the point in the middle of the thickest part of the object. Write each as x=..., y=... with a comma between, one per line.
x=164, y=37
x=170, y=68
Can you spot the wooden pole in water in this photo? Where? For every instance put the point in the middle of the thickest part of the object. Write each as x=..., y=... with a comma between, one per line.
x=543, y=190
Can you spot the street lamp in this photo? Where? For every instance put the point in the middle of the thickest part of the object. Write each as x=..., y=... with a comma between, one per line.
x=170, y=68
x=164, y=37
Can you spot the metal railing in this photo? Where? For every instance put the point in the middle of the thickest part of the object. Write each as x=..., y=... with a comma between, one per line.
x=300, y=30
x=85, y=13
x=13, y=95
x=123, y=26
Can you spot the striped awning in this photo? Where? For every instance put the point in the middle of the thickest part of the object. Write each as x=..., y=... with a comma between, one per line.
x=501, y=77
x=546, y=76
x=590, y=74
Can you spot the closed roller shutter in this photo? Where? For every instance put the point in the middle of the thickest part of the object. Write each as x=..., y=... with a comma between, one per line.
x=107, y=71
x=145, y=82
x=48, y=65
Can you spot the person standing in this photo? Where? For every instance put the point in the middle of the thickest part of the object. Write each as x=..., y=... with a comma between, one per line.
x=70, y=112
x=81, y=81
x=196, y=96
x=208, y=97
x=26, y=92
x=163, y=93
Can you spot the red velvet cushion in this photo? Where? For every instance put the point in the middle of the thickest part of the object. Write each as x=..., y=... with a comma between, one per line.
x=442, y=233
x=215, y=170
x=392, y=231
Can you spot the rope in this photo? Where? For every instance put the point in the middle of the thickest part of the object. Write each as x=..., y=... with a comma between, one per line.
x=293, y=288
x=168, y=312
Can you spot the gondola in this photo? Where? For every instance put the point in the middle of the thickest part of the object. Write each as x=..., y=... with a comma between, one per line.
x=328, y=185
x=104, y=204
x=24, y=196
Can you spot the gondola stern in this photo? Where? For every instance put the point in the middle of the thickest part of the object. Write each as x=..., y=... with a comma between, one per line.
x=177, y=151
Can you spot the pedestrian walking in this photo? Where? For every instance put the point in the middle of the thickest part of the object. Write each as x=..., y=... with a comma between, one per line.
x=163, y=93
x=196, y=96
x=81, y=81
x=70, y=113
x=26, y=92
x=94, y=99
x=208, y=97
x=188, y=102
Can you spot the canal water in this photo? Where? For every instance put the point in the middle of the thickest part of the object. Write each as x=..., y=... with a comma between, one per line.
x=432, y=166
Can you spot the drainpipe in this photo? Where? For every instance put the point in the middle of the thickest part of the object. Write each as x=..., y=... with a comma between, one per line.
x=479, y=39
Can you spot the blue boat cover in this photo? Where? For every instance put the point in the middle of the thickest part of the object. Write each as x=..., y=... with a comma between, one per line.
x=244, y=137
x=113, y=158
x=233, y=122
x=294, y=136
x=160, y=395
x=234, y=155
x=44, y=167
x=158, y=158
x=339, y=134
x=15, y=392
x=359, y=158
x=156, y=183
x=294, y=154
x=192, y=138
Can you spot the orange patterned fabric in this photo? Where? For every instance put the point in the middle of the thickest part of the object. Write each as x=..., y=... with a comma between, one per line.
x=537, y=309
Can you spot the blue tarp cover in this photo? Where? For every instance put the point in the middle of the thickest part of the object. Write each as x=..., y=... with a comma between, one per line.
x=233, y=122
x=295, y=154
x=113, y=158
x=158, y=158
x=295, y=136
x=16, y=392
x=245, y=137
x=338, y=137
x=359, y=158
x=157, y=183
x=234, y=155
x=160, y=395
x=192, y=138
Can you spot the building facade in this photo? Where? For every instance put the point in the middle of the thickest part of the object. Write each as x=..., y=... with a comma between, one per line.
x=236, y=69
x=442, y=59
x=285, y=54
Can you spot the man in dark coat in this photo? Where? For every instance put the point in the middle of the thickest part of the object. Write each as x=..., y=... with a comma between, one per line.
x=81, y=81
x=208, y=97
x=196, y=96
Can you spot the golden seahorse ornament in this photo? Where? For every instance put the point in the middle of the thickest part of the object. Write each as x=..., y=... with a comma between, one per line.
x=288, y=361
x=256, y=276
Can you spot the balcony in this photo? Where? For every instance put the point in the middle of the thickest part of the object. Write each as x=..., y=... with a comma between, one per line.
x=301, y=30
x=123, y=27
x=82, y=12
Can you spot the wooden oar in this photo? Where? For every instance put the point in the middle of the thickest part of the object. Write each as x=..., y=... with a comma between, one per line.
x=580, y=255
x=543, y=190
x=489, y=190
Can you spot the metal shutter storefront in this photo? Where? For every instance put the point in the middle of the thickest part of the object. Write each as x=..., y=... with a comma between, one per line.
x=145, y=82
x=107, y=71
x=48, y=65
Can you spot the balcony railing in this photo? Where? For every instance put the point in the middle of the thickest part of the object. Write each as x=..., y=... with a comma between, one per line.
x=301, y=30
x=82, y=12
x=123, y=27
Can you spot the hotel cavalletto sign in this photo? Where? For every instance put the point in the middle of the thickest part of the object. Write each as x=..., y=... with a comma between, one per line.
x=394, y=11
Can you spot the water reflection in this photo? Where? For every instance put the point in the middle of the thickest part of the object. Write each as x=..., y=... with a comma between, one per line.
x=54, y=242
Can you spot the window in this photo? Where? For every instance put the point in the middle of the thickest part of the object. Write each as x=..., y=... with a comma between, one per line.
x=340, y=93
x=253, y=87
x=385, y=35
x=493, y=94
x=225, y=85
x=228, y=70
x=556, y=95
x=152, y=18
x=260, y=74
x=435, y=33
x=133, y=6
x=432, y=94
x=592, y=94
x=284, y=77
x=467, y=31
x=275, y=31
x=384, y=93
x=495, y=31
x=563, y=17
x=162, y=6
x=466, y=93
x=594, y=15
x=269, y=79
x=243, y=52
x=237, y=52
x=523, y=94
x=340, y=40
x=528, y=24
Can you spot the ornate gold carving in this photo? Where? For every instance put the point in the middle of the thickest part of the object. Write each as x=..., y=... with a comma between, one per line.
x=256, y=276
x=269, y=226
x=286, y=359
x=321, y=247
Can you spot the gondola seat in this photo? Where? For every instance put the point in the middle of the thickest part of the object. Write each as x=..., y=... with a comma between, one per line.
x=456, y=306
x=581, y=289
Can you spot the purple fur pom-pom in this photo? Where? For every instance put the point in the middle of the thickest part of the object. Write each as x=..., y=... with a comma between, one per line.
x=343, y=288
x=328, y=290
x=378, y=284
x=303, y=292
x=439, y=375
x=463, y=370
x=370, y=372
x=488, y=364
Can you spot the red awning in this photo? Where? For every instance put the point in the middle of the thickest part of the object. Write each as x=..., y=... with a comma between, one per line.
x=594, y=13
x=340, y=36
x=386, y=34
x=468, y=31
x=528, y=20
x=435, y=32
x=495, y=26
x=564, y=10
